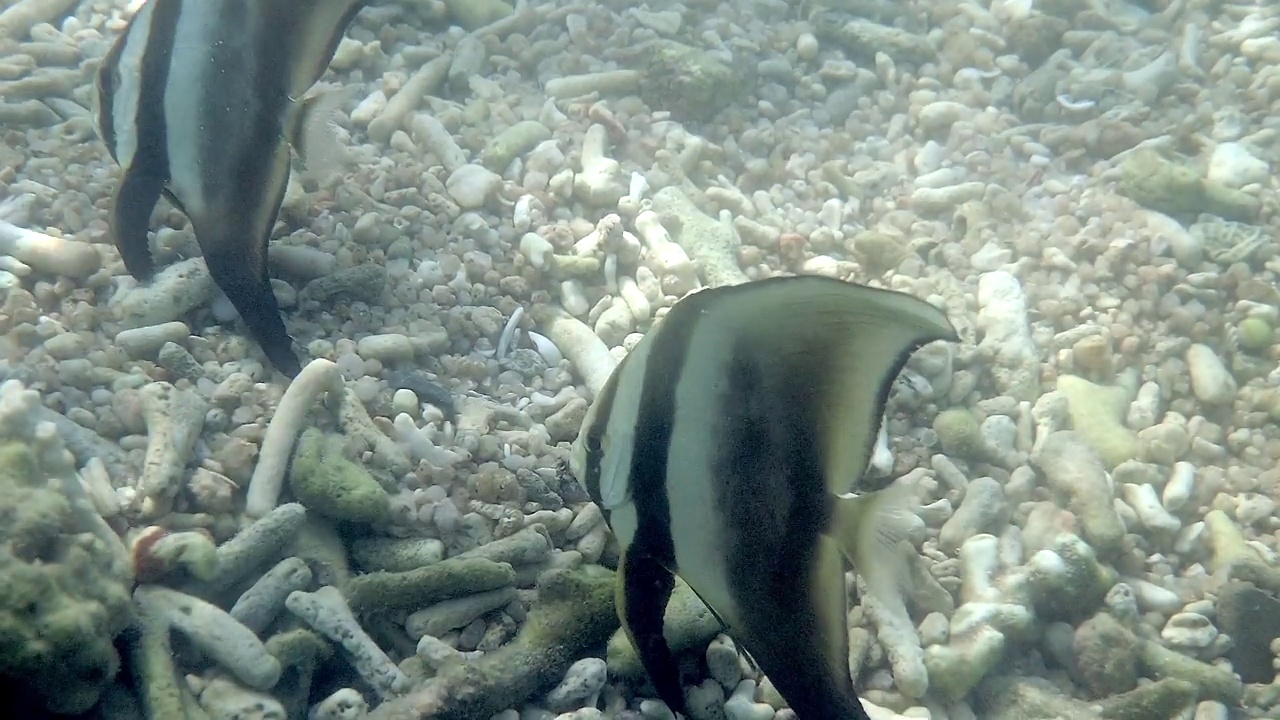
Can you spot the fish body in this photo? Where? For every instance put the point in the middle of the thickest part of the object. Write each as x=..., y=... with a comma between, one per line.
x=723, y=449
x=202, y=101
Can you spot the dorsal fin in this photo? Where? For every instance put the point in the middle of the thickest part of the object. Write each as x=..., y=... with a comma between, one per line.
x=847, y=341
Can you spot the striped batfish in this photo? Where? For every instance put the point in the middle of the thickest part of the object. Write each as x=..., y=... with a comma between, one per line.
x=723, y=449
x=201, y=101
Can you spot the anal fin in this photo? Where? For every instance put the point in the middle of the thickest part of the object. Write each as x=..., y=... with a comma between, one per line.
x=234, y=245
x=254, y=300
x=130, y=221
x=644, y=587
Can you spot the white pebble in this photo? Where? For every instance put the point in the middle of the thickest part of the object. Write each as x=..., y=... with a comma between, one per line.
x=1211, y=381
x=581, y=685
x=386, y=347
x=1153, y=597
x=940, y=115
x=807, y=46
x=1178, y=489
x=144, y=341
x=471, y=186
x=742, y=705
x=1188, y=630
x=345, y=704
x=405, y=401
x=1234, y=166
x=1144, y=501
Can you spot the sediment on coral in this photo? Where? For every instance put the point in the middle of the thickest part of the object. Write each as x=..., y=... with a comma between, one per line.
x=525, y=189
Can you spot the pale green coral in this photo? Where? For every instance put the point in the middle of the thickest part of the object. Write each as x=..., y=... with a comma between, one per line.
x=1097, y=413
x=324, y=480
x=1174, y=188
x=1256, y=334
x=690, y=83
x=512, y=143
x=65, y=594
x=958, y=432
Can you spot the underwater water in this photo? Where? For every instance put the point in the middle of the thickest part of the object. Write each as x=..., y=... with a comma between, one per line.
x=457, y=217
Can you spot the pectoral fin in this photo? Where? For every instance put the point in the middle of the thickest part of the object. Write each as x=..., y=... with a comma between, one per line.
x=868, y=529
x=644, y=587
x=135, y=199
x=314, y=136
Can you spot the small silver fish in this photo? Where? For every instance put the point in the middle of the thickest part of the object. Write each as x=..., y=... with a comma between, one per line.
x=201, y=101
x=723, y=448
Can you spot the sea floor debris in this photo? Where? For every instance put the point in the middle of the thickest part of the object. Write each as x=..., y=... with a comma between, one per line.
x=1086, y=188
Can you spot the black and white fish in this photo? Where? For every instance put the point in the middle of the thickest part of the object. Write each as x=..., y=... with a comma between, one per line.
x=201, y=101
x=723, y=448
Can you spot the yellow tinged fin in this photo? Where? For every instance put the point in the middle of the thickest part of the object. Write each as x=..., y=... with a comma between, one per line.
x=315, y=27
x=832, y=605
x=868, y=529
x=848, y=341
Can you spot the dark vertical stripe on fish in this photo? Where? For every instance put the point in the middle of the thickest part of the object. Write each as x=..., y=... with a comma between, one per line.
x=654, y=423
x=107, y=96
x=150, y=124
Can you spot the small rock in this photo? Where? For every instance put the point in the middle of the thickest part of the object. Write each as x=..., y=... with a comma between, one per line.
x=1106, y=656
x=364, y=283
x=1234, y=166
x=405, y=401
x=64, y=346
x=581, y=685
x=471, y=186
x=1188, y=631
x=742, y=705
x=1211, y=381
x=722, y=662
x=940, y=115
x=386, y=348
x=180, y=363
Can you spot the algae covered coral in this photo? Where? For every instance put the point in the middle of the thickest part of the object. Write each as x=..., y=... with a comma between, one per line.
x=64, y=592
x=1087, y=188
